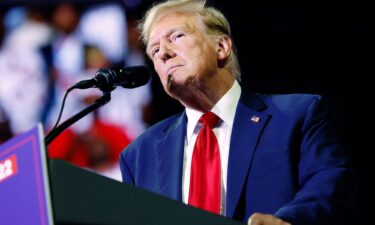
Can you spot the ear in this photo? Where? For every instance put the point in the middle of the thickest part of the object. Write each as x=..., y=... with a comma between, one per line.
x=224, y=48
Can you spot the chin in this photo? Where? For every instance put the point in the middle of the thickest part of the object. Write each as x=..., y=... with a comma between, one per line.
x=175, y=90
x=178, y=87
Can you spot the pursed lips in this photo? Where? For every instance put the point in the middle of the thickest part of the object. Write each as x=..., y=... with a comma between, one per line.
x=172, y=69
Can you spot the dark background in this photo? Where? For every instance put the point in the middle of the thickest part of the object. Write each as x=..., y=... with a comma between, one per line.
x=322, y=47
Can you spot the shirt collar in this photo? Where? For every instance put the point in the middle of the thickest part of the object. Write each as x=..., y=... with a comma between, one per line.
x=225, y=108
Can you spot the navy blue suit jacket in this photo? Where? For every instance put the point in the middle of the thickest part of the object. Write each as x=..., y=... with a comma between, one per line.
x=290, y=163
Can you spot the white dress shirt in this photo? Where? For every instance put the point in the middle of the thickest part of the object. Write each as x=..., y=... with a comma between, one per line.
x=225, y=109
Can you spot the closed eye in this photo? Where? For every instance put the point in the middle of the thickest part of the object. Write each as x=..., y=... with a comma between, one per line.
x=177, y=36
x=154, y=51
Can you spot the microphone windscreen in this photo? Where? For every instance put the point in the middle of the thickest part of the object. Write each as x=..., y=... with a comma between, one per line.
x=132, y=77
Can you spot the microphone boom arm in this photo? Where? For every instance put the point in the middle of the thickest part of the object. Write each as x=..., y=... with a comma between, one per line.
x=97, y=104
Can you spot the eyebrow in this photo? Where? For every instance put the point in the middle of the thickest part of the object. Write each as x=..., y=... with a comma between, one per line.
x=168, y=33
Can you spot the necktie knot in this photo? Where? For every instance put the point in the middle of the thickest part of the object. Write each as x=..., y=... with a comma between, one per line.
x=210, y=119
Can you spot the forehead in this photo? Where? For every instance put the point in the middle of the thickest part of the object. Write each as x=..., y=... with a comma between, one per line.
x=169, y=21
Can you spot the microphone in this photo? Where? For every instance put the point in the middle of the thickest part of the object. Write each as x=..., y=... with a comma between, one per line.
x=105, y=78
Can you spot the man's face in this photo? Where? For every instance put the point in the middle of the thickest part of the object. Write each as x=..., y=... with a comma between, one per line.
x=184, y=56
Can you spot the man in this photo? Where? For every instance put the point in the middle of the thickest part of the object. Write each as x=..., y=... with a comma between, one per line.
x=280, y=161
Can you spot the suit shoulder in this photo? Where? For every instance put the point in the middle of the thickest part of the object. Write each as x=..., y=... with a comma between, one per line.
x=155, y=132
x=289, y=99
x=292, y=102
x=165, y=125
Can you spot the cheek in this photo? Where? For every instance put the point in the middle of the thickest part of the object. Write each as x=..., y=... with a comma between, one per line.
x=158, y=68
x=161, y=74
x=202, y=56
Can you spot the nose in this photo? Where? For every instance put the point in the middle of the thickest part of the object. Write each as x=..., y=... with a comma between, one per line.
x=166, y=51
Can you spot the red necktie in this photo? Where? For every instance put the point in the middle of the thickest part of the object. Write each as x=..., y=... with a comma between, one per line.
x=205, y=178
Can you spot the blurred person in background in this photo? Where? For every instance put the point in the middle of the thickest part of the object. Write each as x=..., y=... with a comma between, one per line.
x=23, y=90
x=51, y=55
x=98, y=143
x=64, y=58
x=117, y=123
x=128, y=107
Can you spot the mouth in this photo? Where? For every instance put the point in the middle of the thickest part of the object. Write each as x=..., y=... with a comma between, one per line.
x=171, y=69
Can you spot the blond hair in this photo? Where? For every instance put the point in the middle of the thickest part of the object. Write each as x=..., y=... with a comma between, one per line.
x=215, y=22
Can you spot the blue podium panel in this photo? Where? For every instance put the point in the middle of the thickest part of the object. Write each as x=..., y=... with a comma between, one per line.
x=24, y=185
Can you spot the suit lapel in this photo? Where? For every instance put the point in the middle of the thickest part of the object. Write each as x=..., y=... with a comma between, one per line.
x=247, y=128
x=170, y=151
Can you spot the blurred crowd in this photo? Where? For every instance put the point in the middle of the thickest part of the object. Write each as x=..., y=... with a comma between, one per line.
x=44, y=50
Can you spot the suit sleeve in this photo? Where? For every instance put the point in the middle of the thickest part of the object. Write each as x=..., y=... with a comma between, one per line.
x=327, y=182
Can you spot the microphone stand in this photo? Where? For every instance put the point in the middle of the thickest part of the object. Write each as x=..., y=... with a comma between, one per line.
x=98, y=103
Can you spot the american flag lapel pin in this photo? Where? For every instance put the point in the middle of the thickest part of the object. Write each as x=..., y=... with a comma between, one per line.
x=255, y=119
